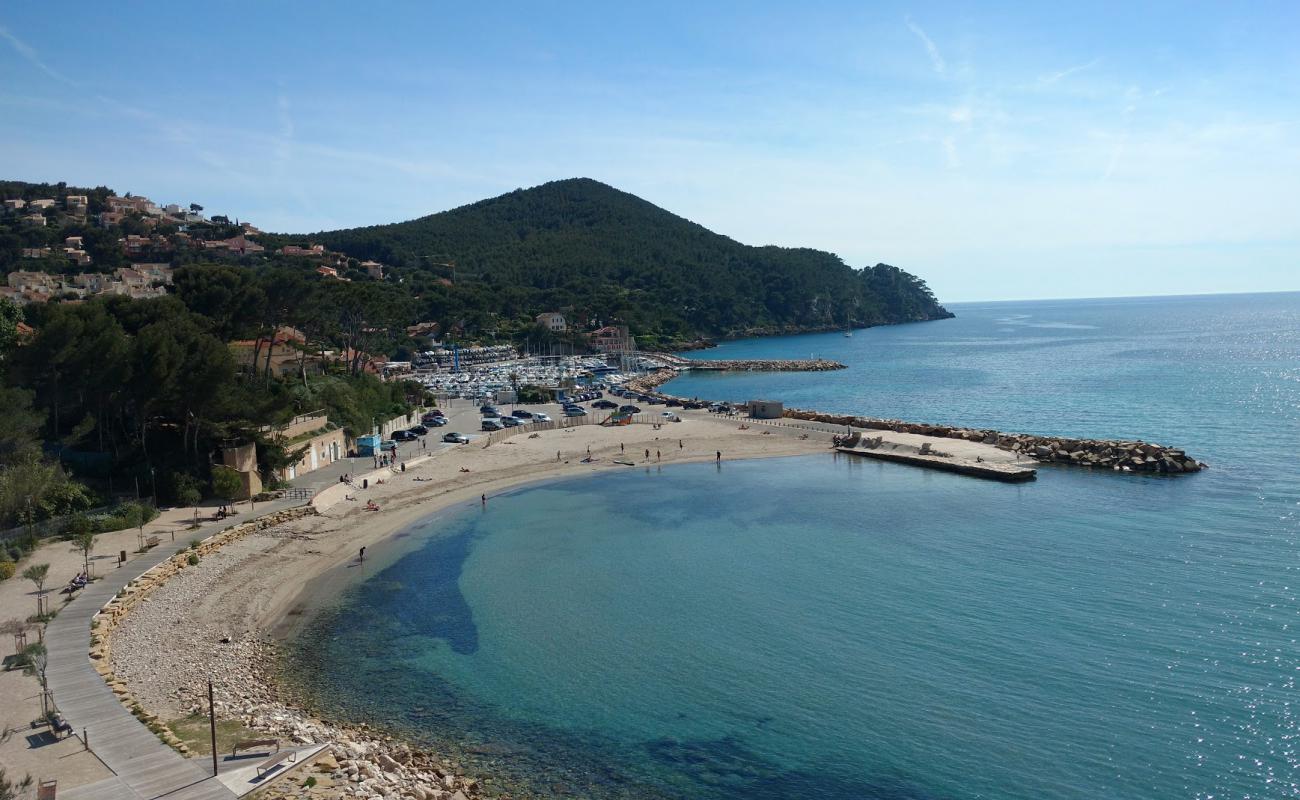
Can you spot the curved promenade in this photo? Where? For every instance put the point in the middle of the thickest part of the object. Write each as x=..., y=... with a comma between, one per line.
x=144, y=767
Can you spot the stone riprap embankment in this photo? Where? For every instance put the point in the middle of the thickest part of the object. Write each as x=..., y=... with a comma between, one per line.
x=158, y=660
x=765, y=365
x=752, y=364
x=1123, y=456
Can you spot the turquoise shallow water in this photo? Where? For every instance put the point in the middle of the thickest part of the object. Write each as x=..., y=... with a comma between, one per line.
x=821, y=627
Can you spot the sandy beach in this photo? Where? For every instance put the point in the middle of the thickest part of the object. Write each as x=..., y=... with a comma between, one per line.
x=221, y=619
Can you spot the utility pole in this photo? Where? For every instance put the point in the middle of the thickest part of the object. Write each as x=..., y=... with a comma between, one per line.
x=212, y=721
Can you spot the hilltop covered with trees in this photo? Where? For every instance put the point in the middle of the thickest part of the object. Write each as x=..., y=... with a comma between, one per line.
x=596, y=253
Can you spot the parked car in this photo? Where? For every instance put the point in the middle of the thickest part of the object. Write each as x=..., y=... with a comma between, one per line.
x=492, y=424
x=673, y=402
x=629, y=409
x=418, y=430
x=643, y=398
x=489, y=411
x=656, y=401
x=670, y=416
x=575, y=411
x=404, y=436
x=604, y=404
x=429, y=417
x=437, y=422
x=455, y=438
x=540, y=417
x=522, y=413
x=511, y=422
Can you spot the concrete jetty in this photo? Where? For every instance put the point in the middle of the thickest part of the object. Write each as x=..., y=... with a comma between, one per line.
x=1119, y=455
x=989, y=470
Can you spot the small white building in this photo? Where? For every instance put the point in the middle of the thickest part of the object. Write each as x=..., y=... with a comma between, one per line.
x=552, y=321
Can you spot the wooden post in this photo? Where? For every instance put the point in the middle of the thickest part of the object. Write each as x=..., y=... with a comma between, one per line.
x=212, y=721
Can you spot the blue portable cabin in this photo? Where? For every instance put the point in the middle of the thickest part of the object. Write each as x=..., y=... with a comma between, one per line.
x=368, y=445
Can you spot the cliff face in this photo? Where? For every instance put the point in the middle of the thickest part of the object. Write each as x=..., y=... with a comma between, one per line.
x=599, y=253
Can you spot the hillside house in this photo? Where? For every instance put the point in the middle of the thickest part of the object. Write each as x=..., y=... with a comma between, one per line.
x=15, y=205
x=374, y=269
x=34, y=220
x=612, y=339
x=553, y=321
x=296, y=250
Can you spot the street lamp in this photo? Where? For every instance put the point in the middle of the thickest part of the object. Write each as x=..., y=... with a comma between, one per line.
x=153, y=478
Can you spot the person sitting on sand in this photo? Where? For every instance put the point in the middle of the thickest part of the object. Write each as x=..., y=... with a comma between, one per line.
x=371, y=506
x=349, y=498
x=464, y=469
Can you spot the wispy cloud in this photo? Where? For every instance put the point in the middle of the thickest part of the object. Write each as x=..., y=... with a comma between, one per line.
x=1052, y=77
x=28, y=52
x=950, y=151
x=936, y=58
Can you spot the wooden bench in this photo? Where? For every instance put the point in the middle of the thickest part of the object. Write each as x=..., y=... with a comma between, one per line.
x=286, y=757
x=249, y=744
x=152, y=541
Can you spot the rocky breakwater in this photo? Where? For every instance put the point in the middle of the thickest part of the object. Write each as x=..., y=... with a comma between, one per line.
x=647, y=383
x=157, y=657
x=764, y=365
x=1118, y=455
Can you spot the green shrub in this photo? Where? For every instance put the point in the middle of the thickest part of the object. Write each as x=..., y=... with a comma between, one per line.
x=7, y=569
x=193, y=559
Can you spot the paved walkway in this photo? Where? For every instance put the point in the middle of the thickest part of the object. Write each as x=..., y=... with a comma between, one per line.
x=144, y=767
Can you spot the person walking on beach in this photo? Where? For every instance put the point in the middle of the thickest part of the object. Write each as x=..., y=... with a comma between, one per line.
x=719, y=456
x=620, y=447
x=361, y=557
x=483, y=499
x=647, y=454
x=680, y=446
x=658, y=455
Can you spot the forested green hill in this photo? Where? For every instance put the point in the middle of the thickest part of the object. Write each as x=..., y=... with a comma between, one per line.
x=599, y=254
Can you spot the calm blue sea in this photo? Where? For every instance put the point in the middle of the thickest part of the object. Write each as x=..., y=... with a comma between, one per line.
x=826, y=628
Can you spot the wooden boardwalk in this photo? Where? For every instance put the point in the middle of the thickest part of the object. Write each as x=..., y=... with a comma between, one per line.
x=143, y=766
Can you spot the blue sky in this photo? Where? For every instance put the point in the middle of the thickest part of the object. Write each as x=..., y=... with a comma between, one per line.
x=1035, y=150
